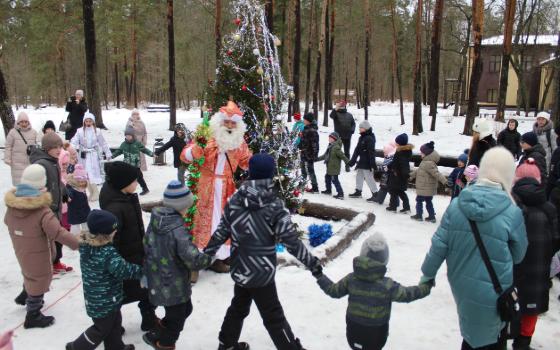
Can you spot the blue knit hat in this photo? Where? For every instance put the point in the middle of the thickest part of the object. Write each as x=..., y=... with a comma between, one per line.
x=102, y=222
x=402, y=139
x=261, y=166
x=464, y=157
x=177, y=196
x=427, y=148
x=25, y=190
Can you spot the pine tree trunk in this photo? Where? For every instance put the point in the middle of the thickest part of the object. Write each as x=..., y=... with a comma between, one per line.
x=478, y=22
x=116, y=77
x=91, y=63
x=556, y=93
x=366, y=57
x=509, y=17
x=297, y=54
x=434, y=66
x=346, y=86
x=218, y=30
x=320, y=47
x=417, y=114
x=328, y=68
x=127, y=85
x=461, y=84
x=308, y=60
x=134, y=68
x=269, y=8
x=6, y=113
x=171, y=49
x=397, y=67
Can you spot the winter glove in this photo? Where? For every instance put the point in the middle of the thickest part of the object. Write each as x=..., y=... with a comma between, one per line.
x=351, y=164
x=429, y=281
x=65, y=198
x=317, y=269
x=347, y=168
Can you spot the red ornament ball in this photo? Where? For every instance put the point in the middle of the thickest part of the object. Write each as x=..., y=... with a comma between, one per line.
x=244, y=88
x=297, y=193
x=272, y=98
x=237, y=21
x=229, y=52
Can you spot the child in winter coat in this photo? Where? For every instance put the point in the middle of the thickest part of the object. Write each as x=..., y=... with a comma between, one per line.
x=103, y=272
x=255, y=218
x=72, y=157
x=309, y=146
x=131, y=149
x=370, y=294
x=427, y=177
x=388, y=153
x=510, y=138
x=456, y=180
x=364, y=157
x=177, y=142
x=33, y=228
x=78, y=206
x=297, y=128
x=332, y=158
x=531, y=276
x=399, y=171
x=170, y=258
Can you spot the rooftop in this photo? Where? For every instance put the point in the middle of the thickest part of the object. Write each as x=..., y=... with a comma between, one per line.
x=550, y=40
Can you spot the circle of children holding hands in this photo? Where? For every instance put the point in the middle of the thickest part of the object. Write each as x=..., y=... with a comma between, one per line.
x=236, y=230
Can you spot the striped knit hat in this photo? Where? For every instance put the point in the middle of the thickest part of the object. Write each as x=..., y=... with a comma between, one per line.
x=177, y=196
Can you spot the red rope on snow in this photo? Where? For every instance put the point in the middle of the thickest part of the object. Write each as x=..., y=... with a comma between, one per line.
x=54, y=303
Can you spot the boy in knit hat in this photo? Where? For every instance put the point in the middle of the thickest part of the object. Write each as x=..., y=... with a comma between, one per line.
x=170, y=258
x=399, y=171
x=32, y=227
x=131, y=149
x=255, y=219
x=309, y=151
x=427, y=177
x=332, y=157
x=456, y=180
x=103, y=272
x=370, y=294
x=533, y=149
x=364, y=157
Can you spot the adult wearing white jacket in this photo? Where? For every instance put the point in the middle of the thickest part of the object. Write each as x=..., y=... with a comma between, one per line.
x=17, y=140
x=90, y=145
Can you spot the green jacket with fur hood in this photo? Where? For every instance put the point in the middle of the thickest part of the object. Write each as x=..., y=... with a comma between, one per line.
x=333, y=156
x=103, y=271
x=370, y=292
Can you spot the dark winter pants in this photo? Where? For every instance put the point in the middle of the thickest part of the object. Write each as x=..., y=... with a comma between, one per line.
x=501, y=344
x=346, y=143
x=366, y=338
x=308, y=168
x=429, y=205
x=106, y=330
x=58, y=255
x=335, y=182
x=141, y=181
x=173, y=323
x=394, y=201
x=381, y=194
x=34, y=303
x=69, y=134
x=266, y=299
x=181, y=174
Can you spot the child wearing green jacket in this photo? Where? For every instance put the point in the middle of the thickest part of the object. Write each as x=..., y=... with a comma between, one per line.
x=332, y=157
x=370, y=295
x=103, y=271
x=131, y=149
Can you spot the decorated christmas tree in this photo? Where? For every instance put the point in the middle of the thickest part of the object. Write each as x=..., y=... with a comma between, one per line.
x=249, y=74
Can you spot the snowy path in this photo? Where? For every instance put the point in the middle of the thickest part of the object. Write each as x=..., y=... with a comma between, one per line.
x=316, y=319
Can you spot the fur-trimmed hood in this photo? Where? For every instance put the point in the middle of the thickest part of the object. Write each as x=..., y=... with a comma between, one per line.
x=95, y=240
x=408, y=147
x=27, y=203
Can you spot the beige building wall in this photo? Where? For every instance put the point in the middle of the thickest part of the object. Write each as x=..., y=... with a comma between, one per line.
x=513, y=86
x=546, y=73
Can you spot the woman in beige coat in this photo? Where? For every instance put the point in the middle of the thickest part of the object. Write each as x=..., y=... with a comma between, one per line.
x=33, y=228
x=15, y=154
x=140, y=134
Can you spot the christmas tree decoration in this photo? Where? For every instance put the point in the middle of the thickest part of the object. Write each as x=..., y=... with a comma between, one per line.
x=277, y=41
x=252, y=77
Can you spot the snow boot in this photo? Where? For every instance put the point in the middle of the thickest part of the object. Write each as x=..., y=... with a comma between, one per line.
x=149, y=319
x=373, y=198
x=431, y=219
x=20, y=299
x=36, y=319
x=326, y=192
x=416, y=217
x=60, y=267
x=144, y=192
x=394, y=210
x=238, y=346
x=522, y=343
x=404, y=211
x=357, y=194
x=339, y=196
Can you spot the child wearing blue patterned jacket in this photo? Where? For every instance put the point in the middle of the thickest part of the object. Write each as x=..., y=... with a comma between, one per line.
x=103, y=271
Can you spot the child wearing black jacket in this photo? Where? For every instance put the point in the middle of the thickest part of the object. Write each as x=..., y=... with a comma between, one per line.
x=178, y=141
x=399, y=172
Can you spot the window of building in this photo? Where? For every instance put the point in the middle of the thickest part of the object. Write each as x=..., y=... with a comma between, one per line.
x=492, y=95
x=527, y=63
x=495, y=63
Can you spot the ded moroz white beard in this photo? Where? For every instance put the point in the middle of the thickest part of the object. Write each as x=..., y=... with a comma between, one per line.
x=227, y=139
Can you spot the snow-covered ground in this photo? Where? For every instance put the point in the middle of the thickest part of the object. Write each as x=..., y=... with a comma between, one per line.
x=316, y=319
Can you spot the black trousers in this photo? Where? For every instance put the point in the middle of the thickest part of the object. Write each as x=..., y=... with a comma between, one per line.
x=173, y=323
x=58, y=255
x=266, y=299
x=141, y=181
x=308, y=168
x=346, y=143
x=501, y=344
x=106, y=330
x=394, y=200
x=69, y=134
x=362, y=337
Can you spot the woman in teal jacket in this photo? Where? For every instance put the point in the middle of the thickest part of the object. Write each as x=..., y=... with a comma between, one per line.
x=501, y=226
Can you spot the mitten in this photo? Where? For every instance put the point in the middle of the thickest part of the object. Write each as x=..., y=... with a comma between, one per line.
x=317, y=269
x=429, y=281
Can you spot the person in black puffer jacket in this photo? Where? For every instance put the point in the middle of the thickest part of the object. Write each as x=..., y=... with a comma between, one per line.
x=533, y=149
x=344, y=125
x=364, y=155
x=554, y=171
x=532, y=275
x=399, y=172
x=76, y=108
x=177, y=142
x=309, y=148
x=118, y=197
x=482, y=140
x=255, y=219
x=510, y=138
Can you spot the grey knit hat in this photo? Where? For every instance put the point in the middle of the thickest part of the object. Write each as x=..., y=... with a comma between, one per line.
x=365, y=125
x=375, y=248
x=177, y=196
x=129, y=130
